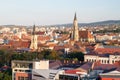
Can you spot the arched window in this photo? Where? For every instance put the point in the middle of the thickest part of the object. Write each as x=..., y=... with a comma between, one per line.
x=112, y=61
x=102, y=61
x=105, y=61
x=108, y=61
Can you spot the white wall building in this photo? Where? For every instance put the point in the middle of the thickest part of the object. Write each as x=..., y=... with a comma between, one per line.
x=103, y=59
x=104, y=37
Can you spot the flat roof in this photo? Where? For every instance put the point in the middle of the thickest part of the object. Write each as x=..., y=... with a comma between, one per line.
x=23, y=61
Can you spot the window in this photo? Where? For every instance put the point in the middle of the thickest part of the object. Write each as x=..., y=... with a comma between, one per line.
x=26, y=78
x=105, y=61
x=112, y=61
x=27, y=70
x=95, y=60
x=87, y=60
x=30, y=65
x=68, y=77
x=90, y=60
x=23, y=78
x=102, y=61
x=19, y=78
x=108, y=61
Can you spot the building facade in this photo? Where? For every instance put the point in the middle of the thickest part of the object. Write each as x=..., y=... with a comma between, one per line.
x=111, y=59
x=22, y=70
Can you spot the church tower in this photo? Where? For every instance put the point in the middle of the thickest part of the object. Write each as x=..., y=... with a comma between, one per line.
x=33, y=44
x=75, y=29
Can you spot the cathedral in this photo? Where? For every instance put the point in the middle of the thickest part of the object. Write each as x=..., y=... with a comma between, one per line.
x=81, y=35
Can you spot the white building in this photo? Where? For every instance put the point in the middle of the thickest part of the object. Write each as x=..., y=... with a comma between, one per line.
x=104, y=37
x=110, y=59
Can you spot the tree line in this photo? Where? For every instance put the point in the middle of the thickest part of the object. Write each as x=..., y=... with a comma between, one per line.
x=6, y=56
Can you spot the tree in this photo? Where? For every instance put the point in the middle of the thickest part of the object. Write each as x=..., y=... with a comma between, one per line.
x=1, y=76
x=45, y=53
x=6, y=75
x=54, y=55
x=78, y=55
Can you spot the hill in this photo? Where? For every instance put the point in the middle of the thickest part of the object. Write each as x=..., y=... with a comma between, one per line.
x=100, y=23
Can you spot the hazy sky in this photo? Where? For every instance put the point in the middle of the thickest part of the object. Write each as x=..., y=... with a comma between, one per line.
x=45, y=12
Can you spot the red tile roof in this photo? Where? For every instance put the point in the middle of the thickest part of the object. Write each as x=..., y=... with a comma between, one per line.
x=74, y=71
x=117, y=64
x=55, y=64
x=7, y=46
x=15, y=38
x=107, y=50
x=40, y=33
x=85, y=34
x=58, y=48
x=43, y=38
x=63, y=37
x=19, y=44
x=25, y=37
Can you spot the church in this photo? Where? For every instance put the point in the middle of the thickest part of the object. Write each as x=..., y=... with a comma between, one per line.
x=81, y=35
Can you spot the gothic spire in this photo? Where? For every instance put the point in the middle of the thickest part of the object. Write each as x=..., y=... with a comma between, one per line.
x=75, y=18
x=33, y=33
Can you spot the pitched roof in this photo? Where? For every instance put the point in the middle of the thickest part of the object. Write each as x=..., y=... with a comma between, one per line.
x=55, y=64
x=74, y=71
x=85, y=34
x=107, y=50
x=19, y=44
x=86, y=66
x=43, y=38
x=58, y=48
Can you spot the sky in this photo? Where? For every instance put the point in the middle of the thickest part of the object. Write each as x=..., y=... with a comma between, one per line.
x=49, y=12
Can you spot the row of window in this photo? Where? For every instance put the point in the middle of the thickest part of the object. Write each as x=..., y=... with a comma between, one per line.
x=68, y=77
x=18, y=65
x=23, y=78
x=102, y=61
x=17, y=70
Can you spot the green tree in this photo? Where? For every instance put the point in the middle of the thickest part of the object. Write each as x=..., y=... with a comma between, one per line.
x=78, y=55
x=54, y=55
x=1, y=76
x=7, y=77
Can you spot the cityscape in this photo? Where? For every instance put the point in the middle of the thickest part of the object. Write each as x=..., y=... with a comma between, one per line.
x=64, y=45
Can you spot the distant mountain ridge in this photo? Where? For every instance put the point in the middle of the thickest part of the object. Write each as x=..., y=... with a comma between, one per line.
x=100, y=23
x=108, y=22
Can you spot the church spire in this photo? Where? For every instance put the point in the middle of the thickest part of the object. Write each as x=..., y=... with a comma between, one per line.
x=33, y=33
x=75, y=29
x=33, y=44
x=75, y=17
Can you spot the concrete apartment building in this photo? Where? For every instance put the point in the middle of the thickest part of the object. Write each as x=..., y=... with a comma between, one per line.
x=22, y=70
x=34, y=70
